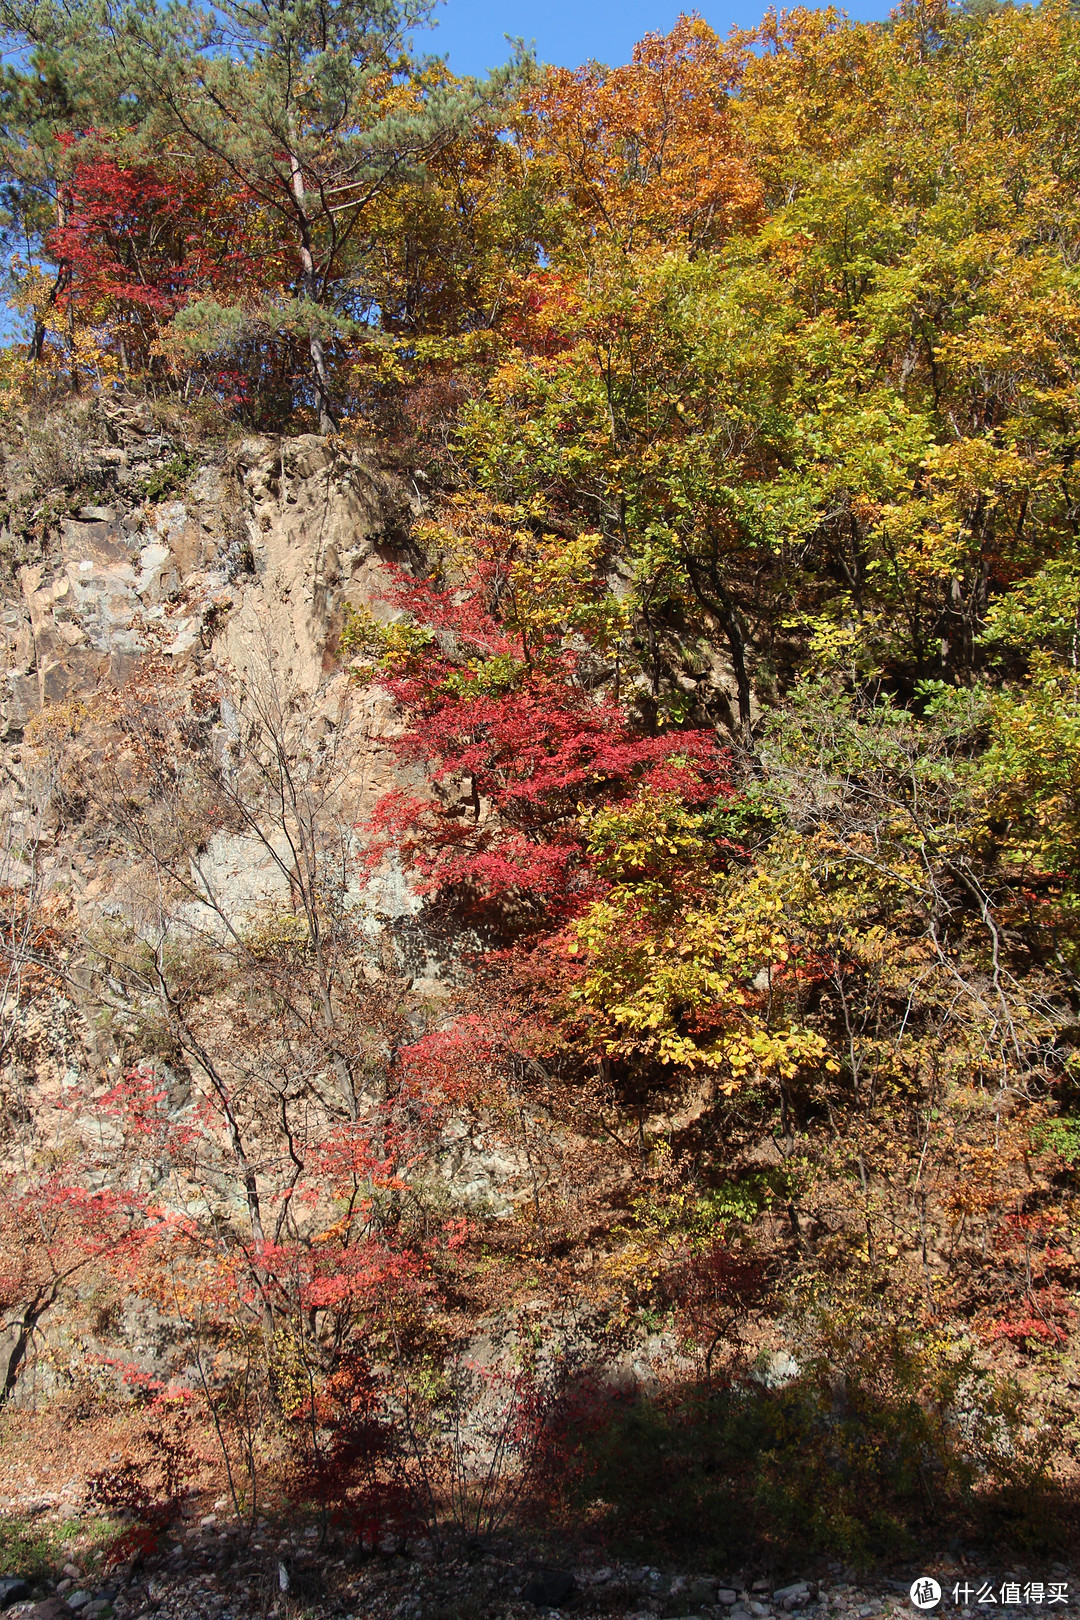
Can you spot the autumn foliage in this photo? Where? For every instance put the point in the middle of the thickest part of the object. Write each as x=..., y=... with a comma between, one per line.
x=733, y=654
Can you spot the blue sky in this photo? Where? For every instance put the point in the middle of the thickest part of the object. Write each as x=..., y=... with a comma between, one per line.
x=568, y=32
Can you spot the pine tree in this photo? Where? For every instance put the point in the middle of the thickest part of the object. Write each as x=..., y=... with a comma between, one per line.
x=313, y=106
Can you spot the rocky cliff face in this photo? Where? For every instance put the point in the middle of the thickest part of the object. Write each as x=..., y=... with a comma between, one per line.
x=233, y=583
x=222, y=597
x=261, y=553
x=227, y=591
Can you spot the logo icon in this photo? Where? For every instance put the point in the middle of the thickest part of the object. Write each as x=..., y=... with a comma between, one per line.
x=925, y=1592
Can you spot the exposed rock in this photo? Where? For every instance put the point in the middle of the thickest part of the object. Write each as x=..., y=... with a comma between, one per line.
x=320, y=524
x=547, y=1588
x=699, y=1591
x=53, y=1608
x=779, y=1369
x=238, y=873
x=162, y=580
x=23, y=700
x=480, y=1168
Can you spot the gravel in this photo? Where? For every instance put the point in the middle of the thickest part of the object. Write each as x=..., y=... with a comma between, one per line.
x=218, y=1577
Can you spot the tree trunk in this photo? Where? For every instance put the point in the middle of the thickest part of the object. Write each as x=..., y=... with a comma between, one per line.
x=29, y=1321
x=60, y=284
x=720, y=603
x=309, y=282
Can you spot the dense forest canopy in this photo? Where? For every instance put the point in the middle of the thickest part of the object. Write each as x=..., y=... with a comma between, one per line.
x=739, y=637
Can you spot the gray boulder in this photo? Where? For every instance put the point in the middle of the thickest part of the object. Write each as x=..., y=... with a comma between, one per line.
x=547, y=1588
